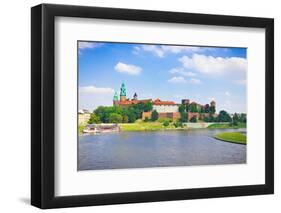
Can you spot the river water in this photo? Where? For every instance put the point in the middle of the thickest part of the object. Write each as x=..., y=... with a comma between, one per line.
x=155, y=149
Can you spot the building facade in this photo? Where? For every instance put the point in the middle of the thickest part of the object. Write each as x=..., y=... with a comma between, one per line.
x=165, y=109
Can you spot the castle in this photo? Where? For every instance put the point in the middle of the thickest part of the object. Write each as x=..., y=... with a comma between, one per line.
x=165, y=109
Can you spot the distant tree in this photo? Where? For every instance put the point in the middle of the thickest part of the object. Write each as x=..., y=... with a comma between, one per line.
x=212, y=109
x=182, y=108
x=94, y=119
x=154, y=115
x=146, y=119
x=193, y=107
x=187, y=108
x=115, y=118
x=166, y=123
x=235, y=119
x=207, y=108
x=224, y=116
x=211, y=117
x=125, y=119
x=147, y=107
x=243, y=117
x=132, y=116
x=193, y=119
x=183, y=117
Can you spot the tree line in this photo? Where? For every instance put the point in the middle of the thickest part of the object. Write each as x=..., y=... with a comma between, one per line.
x=117, y=114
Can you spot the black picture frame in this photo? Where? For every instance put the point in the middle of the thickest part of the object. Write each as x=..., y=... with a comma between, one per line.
x=43, y=105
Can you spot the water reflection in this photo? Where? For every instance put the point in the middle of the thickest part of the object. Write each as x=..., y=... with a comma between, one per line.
x=159, y=148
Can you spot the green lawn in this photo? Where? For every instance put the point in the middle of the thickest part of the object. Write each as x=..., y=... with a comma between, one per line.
x=233, y=137
x=144, y=126
x=226, y=126
x=80, y=129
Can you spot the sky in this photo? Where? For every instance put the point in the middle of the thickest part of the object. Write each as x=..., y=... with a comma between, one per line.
x=167, y=72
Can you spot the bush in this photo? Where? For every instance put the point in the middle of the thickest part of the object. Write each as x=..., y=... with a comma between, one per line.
x=162, y=120
x=166, y=123
x=154, y=115
x=193, y=119
x=146, y=119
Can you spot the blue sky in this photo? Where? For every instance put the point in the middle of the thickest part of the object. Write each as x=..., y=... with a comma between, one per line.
x=167, y=72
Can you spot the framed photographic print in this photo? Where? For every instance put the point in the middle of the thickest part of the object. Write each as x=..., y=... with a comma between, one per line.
x=139, y=106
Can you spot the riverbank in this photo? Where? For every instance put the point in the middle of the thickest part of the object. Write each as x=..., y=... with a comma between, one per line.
x=157, y=126
x=227, y=126
x=232, y=137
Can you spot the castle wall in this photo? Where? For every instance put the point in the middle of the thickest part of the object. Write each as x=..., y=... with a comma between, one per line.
x=166, y=108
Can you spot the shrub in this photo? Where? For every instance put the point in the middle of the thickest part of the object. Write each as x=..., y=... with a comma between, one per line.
x=154, y=115
x=162, y=120
x=166, y=123
x=193, y=119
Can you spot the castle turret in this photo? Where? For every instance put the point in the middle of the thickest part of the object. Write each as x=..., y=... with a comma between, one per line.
x=115, y=98
x=135, y=96
x=213, y=103
x=123, y=92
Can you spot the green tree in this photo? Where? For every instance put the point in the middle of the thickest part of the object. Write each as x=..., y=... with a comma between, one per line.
x=207, y=108
x=132, y=116
x=193, y=119
x=166, y=123
x=212, y=109
x=147, y=107
x=115, y=118
x=125, y=119
x=224, y=116
x=146, y=119
x=235, y=119
x=243, y=117
x=154, y=115
x=183, y=117
x=193, y=107
x=182, y=108
x=187, y=108
x=94, y=119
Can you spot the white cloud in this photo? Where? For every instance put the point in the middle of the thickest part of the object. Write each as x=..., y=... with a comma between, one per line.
x=90, y=97
x=227, y=93
x=156, y=50
x=88, y=45
x=195, y=81
x=96, y=90
x=181, y=71
x=161, y=50
x=241, y=82
x=182, y=80
x=176, y=80
x=214, y=65
x=127, y=68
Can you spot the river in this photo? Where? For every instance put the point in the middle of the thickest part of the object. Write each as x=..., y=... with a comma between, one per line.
x=157, y=149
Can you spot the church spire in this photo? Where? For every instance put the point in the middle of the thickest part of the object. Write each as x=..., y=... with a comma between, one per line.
x=123, y=92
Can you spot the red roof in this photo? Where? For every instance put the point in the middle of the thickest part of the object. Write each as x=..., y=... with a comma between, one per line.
x=159, y=102
x=130, y=102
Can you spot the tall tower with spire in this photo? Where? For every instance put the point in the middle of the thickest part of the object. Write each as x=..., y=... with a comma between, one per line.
x=123, y=92
x=115, y=98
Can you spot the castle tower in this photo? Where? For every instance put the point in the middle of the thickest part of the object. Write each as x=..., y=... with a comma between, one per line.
x=123, y=92
x=135, y=96
x=213, y=103
x=115, y=98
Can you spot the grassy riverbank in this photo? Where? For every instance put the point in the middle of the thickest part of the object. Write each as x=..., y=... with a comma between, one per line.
x=80, y=129
x=227, y=126
x=144, y=126
x=233, y=137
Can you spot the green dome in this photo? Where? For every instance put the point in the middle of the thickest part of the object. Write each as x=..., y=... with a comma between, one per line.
x=123, y=90
x=115, y=97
